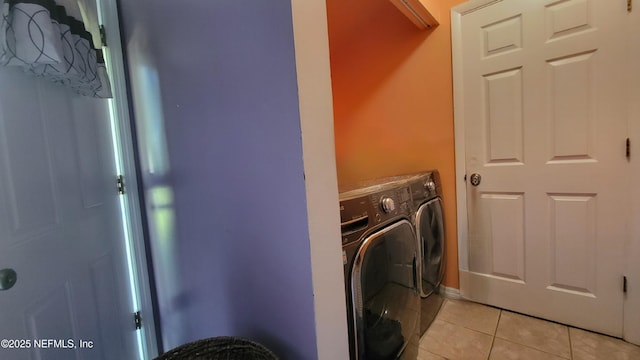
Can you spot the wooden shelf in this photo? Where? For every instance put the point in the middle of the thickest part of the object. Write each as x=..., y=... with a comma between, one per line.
x=423, y=13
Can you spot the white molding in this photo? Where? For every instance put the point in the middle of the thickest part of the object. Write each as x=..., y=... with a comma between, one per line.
x=459, y=128
x=631, y=317
x=321, y=181
x=109, y=17
x=450, y=293
x=458, y=114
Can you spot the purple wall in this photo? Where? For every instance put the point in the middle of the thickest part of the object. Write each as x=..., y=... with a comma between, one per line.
x=238, y=260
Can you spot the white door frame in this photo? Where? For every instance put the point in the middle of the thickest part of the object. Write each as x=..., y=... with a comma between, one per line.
x=631, y=330
x=458, y=115
x=631, y=327
x=132, y=218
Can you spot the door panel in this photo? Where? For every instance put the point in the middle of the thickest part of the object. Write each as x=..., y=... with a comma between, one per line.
x=500, y=249
x=104, y=282
x=545, y=123
x=52, y=317
x=28, y=176
x=92, y=174
x=61, y=224
x=504, y=107
x=573, y=102
x=573, y=243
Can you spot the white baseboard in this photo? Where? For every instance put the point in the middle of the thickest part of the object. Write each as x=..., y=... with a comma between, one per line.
x=450, y=293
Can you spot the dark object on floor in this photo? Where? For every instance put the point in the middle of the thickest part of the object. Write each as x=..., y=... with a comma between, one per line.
x=220, y=348
x=384, y=338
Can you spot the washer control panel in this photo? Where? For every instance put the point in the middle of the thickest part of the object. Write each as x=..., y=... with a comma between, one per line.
x=393, y=202
x=358, y=214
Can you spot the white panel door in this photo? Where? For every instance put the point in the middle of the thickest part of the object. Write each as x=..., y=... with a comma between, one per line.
x=60, y=226
x=544, y=108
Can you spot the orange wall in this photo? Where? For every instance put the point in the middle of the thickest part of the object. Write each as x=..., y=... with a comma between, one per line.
x=393, y=100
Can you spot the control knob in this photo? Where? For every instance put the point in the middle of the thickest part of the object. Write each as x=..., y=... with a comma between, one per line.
x=387, y=204
x=430, y=186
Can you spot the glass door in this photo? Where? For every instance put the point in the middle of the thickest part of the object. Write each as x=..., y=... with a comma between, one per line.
x=430, y=232
x=384, y=292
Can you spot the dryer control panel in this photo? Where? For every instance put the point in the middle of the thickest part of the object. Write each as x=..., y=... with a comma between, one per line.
x=426, y=187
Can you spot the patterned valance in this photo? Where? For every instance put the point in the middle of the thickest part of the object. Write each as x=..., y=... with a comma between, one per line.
x=40, y=37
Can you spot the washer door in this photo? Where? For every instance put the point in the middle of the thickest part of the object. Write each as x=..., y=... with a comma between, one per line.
x=430, y=228
x=384, y=292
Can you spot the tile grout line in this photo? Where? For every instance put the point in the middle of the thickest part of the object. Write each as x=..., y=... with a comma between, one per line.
x=529, y=345
x=495, y=332
x=536, y=349
x=570, y=344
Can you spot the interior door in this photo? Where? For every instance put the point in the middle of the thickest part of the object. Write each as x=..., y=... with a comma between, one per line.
x=544, y=106
x=60, y=227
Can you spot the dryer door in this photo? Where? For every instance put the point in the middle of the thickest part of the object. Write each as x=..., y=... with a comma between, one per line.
x=384, y=292
x=430, y=232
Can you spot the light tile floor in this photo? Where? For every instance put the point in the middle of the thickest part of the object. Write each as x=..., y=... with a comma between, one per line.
x=467, y=331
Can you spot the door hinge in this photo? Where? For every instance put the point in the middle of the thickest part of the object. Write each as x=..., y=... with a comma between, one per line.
x=137, y=318
x=628, y=149
x=103, y=35
x=624, y=284
x=120, y=184
x=629, y=5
